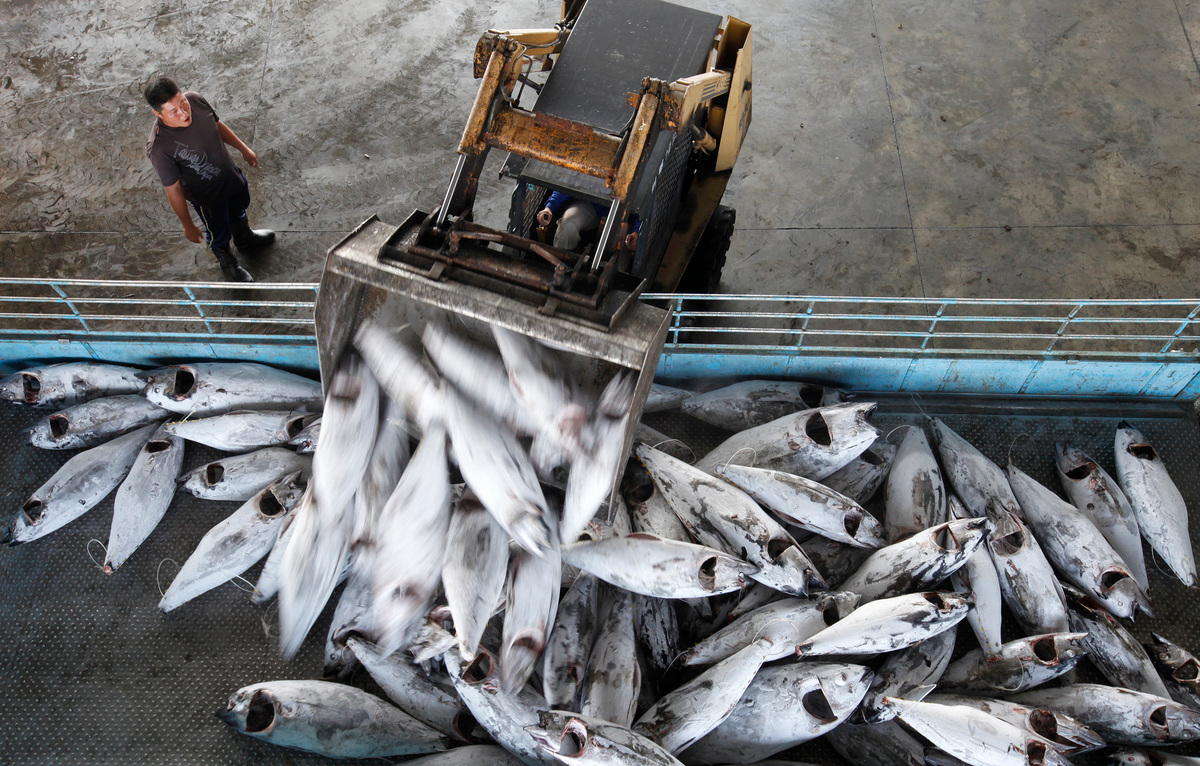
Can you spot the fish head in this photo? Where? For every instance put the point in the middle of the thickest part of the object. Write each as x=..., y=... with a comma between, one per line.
x=1072, y=463
x=174, y=383
x=21, y=388
x=1122, y=595
x=1131, y=757
x=1008, y=536
x=1056, y=649
x=518, y=656
x=719, y=573
x=482, y=671
x=947, y=602
x=786, y=554
x=251, y=710
x=963, y=536
x=1071, y=736
x=563, y=735
x=1172, y=722
x=843, y=686
x=1040, y=752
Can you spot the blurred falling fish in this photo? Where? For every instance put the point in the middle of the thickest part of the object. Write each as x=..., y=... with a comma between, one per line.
x=241, y=477
x=1179, y=670
x=978, y=577
x=751, y=403
x=389, y=457
x=697, y=707
x=1161, y=512
x=613, y=677
x=1112, y=649
x=807, y=504
x=235, y=544
x=479, y=373
x=803, y=619
x=76, y=487
x=534, y=584
x=243, y=431
x=503, y=716
x=1027, y=581
x=974, y=478
x=206, y=388
x=861, y=478
x=474, y=569
x=1120, y=716
x=652, y=566
x=915, y=495
x=721, y=516
x=1065, y=734
x=888, y=625
x=540, y=382
x=353, y=615
x=400, y=372
x=571, y=738
x=905, y=672
x=62, y=385
x=603, y=439
x=812, y=444
x=1019, y=665
x=143, y=498
x=784, y=706
x=330, y=719
x=1097, y=496
x=1077, y=549
x=918, y=562
x=305, y=442
x=94, y=422
x=409, y=543
x=564, y=663
x=977, y=737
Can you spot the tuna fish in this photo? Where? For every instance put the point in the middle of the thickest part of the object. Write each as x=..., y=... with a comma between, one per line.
x=975, y=479
x=570, y=738
x=753, y=403
x=1027, y=581
x=1120, y=716
x=94, y=422
x=979, y=578
x=144, y=497
x=564, y=663
x=243, y=431
x=888, y=625
x=1179, y=670
x=1112, y=649
x=613, y=677
x=474, y=570
x=1019, y=665
x=1067, y=735
x=652, y=566
x=905, y=673
x=918, y=562
x=975, y=736
x=241, y=477
x=207, y=388
x=61, y=385
x=915, y=496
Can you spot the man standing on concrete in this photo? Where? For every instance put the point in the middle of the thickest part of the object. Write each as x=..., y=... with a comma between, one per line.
x=187, y=149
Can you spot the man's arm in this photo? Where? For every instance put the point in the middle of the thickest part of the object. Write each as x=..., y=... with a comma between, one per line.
x=229, y=137
x=179, y=205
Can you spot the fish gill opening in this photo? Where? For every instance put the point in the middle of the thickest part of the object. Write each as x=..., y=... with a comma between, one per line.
x=185, y=382
x=157, y=445
x=1044, y=724
x=59, y=425
x=467, y=728
x=479, y=670
x=810, y=396
x=640, y=489
x=1081, y=472
x=851, y=522
x=944, y=538
x=270, y=506
x=32, y=386
x=817, y=430
x=1036, y=751
x=1046, y=651
x=817, y=705
x=1142, y=451
x=870, y=457
x=1110, y=577
x=830, y=613
x=1009, y=544
x=214, y=473
x=707, y=573
x=936, y=599
x=1188, y=672
x=1158, y=720
x=574, y=739
x=260, y=714
x=776, y=547
x=33, y=510
x=295, y=426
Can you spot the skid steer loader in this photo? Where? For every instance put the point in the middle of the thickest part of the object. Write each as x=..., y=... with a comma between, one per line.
x=637, y=105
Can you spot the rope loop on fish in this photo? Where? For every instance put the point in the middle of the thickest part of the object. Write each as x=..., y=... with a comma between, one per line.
x=752, y=451
x=99, y=564
x=158, y=575
x=888, y=438
x=1013, y=443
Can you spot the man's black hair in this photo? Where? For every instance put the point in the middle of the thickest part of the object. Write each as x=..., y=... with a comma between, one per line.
x=160, y=91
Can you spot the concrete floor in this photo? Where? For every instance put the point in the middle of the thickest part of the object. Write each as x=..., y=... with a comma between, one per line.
x=1042, y=149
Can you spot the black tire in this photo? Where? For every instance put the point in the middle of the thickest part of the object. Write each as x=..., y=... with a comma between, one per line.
x=703, y=273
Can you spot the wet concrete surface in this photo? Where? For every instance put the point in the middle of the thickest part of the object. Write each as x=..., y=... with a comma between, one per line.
x=1048, y=149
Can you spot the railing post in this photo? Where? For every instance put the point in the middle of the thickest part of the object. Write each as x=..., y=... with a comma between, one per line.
x=70, y=305
x=1179, y=330
x=1062, y=328
x=199, y=309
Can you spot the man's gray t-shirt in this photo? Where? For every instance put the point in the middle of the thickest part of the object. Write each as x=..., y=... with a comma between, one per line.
x=195, y=155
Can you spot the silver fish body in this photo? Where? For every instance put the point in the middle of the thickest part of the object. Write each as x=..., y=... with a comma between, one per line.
x=978, y=577
x=880, y=744
x=327, y=718
x=1131, y=757
x=1097, y=496
x=1120, y=716
x=1077, y=549
x=474, y=570
x=564, y=662
x=973, y=477
x=862, y=477
x=268, y=577
x=720, y=515
x=914, y=495
x=389, y=457
x=652, y=566
x=1027, y=581
x=242, y=431
x=603, y=440
x=234, y=544
x=207, y=388
x=784, y=706
x=94, y=422
x=1160, y=509
x=241, y=477
x=613, y=676
x=353, y=615
x=61, y=385
x=1068, y=736
x=663, y=398
x=697, y=707
x=412, y=691
x=76, y=487
x=644, y=434
x=409, y=543
x=835, y=561
x=533, y=591
x=649, y=511
x=918, y=562
x=504, y=716
x=888, y=625
x=1019, y=665
x=977, y=737
x=539, y=380
x=751, y=403
x=1178, y=668
x=813, y=443
x=144, y=497
x=306, y=440
x=906, y=671
x=1112, y=649
x=400, y=372
x=569, y=738
x=807, y=504
x=803, y=618
x=657, y=628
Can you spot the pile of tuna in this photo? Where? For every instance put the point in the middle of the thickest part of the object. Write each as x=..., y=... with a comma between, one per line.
x=721, y=610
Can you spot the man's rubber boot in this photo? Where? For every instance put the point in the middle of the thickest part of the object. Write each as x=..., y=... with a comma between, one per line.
x=247, y=239
x=230, y=266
